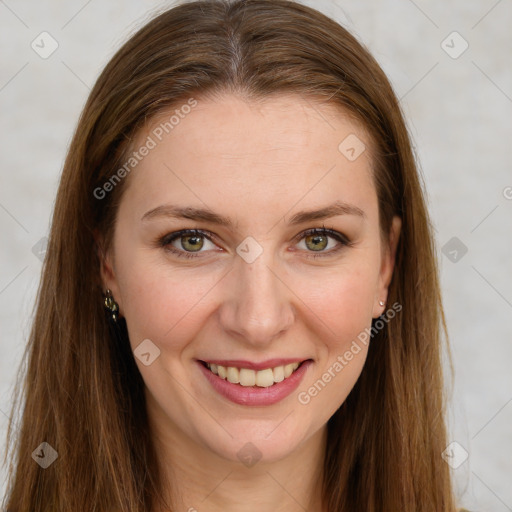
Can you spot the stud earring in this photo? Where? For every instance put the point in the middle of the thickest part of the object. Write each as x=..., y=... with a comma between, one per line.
x=111, y=305
x=382, y=303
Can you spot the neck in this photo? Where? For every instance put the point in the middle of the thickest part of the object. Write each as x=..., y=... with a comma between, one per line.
x=199, y=479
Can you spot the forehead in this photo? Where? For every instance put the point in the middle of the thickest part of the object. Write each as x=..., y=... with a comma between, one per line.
x=237, y=126
x=243, y=150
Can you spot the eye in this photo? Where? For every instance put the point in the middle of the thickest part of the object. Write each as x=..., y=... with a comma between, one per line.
x=316, y=240
x=189, y=242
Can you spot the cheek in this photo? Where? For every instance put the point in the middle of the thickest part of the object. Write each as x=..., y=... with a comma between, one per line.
x=159, y=302
x=342, y=300
x=343, y=310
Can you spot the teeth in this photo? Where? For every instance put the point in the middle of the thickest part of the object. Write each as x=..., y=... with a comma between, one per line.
x=233, y=375
x=288, y=370
x=278, y=374
x=246, y=377
x=265, y=378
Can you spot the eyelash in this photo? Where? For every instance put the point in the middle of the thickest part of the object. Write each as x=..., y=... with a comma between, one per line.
x=166, y=241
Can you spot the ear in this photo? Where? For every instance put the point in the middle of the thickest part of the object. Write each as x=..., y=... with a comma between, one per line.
x=387, y=266
x=107, y=268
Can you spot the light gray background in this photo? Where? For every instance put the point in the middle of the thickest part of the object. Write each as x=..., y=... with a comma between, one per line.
x=459, y=111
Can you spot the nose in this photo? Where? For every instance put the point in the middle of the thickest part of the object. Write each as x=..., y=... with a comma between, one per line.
x=257, y=304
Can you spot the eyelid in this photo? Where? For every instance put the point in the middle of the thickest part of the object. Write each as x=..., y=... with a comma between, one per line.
x=170, y=237
x=323, y=231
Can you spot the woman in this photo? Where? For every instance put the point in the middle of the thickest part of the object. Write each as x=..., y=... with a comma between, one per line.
x=240, y=304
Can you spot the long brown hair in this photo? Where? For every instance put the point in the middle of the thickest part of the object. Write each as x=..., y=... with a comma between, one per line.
x=82, y=392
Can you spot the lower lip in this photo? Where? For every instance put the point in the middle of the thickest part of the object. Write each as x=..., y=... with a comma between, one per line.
x=255, y=395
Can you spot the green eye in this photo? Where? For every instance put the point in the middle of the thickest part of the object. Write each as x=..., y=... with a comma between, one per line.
x=316, y=240
x=319, y=242
x=192, y=241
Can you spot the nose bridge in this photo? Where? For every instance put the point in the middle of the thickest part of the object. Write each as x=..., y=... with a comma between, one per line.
x=258, y=307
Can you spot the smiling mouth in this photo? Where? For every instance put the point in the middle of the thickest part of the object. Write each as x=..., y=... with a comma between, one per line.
x=247, y=377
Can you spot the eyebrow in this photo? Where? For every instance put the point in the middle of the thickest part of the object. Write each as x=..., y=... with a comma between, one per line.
x=207, y=215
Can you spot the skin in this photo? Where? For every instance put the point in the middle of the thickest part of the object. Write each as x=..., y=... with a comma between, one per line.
x=259, y=164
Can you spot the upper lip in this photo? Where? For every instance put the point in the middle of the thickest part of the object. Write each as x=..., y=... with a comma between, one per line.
x=240, y=363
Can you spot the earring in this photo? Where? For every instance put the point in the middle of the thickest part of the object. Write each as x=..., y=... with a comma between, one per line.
x=382, y=303
x=111, y=305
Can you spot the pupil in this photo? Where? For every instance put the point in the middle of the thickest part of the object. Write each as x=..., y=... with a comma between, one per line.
x=196, y=243
x=316, y=239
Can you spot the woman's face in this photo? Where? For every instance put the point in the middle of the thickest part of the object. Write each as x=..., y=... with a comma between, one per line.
x=251, y=290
